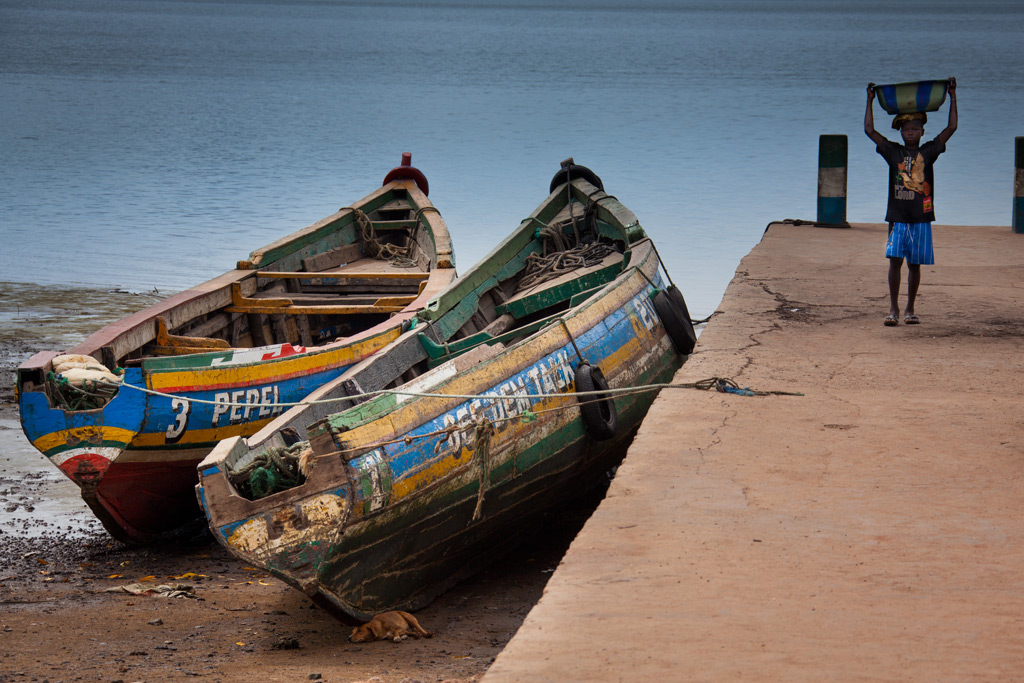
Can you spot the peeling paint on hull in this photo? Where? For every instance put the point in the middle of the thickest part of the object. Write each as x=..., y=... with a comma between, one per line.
x=420, y=502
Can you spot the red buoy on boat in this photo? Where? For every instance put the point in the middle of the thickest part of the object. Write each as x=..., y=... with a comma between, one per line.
x=408, y=172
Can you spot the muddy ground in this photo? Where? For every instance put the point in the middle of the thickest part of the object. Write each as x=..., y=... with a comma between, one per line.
x=59, y=623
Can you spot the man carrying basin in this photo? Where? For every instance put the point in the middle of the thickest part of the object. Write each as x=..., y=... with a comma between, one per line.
x=910, y=210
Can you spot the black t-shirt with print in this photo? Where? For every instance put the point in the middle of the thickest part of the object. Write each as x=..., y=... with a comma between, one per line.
x=911, y=181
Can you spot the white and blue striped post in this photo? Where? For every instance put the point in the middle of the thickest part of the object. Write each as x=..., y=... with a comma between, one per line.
x=1018, y=188
x=832, y=154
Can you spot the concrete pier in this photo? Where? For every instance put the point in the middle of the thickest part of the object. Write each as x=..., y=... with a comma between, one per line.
x=872, y=529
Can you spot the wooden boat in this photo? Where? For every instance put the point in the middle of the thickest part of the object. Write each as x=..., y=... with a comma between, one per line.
x=397, y=497
x=222, y=359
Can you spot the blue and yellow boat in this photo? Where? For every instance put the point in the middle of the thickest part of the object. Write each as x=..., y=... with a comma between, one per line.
x=498, y=405
x=130, y=412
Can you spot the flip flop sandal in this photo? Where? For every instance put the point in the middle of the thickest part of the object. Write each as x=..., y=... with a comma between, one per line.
x=912, y=320
x=891, y=321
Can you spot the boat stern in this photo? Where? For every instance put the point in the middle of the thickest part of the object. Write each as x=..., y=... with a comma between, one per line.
x=288, y=533
x=82, y=440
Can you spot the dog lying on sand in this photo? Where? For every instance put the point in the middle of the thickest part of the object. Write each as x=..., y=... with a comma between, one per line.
x=393, y=626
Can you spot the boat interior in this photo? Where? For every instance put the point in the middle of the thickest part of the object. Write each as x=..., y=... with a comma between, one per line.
x=313, y=295
x=557, y=266
x=568, y=260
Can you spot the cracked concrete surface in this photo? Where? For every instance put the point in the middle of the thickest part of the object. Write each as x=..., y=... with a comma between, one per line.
x=868, y=530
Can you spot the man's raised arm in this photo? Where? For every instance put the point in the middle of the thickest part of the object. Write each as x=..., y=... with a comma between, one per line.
x=869, y=118
x=950, y=128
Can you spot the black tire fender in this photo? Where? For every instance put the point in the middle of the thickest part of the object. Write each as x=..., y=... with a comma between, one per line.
x=600, y=418
x=571, y=172
x=671, y=308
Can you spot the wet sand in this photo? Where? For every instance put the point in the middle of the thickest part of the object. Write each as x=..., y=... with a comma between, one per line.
x=35, y=318
x=58, y=623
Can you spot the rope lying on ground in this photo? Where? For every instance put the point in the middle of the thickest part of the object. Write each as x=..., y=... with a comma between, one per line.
x=704, y=320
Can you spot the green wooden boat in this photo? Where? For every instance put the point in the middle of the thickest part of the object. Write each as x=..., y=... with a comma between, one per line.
x=389, y=500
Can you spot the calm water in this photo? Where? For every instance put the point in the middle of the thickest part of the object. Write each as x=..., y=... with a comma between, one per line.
x=147, y=143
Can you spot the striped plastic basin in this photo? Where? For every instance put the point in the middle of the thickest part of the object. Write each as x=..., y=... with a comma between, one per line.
x=905, y=98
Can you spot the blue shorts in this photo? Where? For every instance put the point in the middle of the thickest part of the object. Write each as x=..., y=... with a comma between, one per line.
x=911, y=241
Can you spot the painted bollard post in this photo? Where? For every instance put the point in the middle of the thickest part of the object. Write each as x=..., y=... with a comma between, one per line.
x=1018, y=188
x=832, y=154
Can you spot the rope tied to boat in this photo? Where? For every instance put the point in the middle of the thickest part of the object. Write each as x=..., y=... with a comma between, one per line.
x=445, y=434
x=483, y=430
x=91, y=394
x=705, y=384
x=279, y=469
x=423, y=209
x=484, y=427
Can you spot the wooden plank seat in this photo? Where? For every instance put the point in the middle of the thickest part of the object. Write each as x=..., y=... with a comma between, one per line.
x=167, y=344
x=364, y=277
x=316, y=298
x=389, y=226
x=394, y=205
x=562, y=288
x=361, y=279
x=438, y=353
x=286, y=306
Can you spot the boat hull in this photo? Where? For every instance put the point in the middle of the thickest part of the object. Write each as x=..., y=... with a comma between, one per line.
x=135, y=459
x=434, y=498
x=426, y=549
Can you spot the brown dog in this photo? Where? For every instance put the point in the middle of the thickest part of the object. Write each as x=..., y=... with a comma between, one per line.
x=394, y=626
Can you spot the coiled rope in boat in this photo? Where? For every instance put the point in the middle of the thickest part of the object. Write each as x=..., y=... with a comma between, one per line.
x=89, y=394
x=276, y=469
x=400, y=257
x=543, y=268
x=80, y=382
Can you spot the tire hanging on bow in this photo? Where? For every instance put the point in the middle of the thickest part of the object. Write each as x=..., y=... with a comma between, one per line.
x=600, y=418
x=671, y=308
